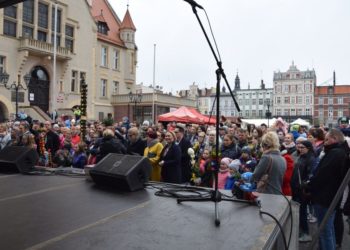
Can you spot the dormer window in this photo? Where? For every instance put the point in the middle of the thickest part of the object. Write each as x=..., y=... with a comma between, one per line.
x=102, y=28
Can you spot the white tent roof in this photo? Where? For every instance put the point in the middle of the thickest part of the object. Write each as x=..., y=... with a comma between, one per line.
x=301, y=122
x=258, y=122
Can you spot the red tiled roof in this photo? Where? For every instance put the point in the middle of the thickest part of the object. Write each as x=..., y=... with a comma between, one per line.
x=103, y=12
x=127, y=22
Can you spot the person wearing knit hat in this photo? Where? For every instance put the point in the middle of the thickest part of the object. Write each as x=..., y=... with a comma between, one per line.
x=224, y=173
x=234, y=165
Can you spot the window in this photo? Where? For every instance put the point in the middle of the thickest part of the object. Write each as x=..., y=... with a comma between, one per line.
x=307, y=88
x=286, y=112
x=28, y=11
x=278, y=100
x=286, y=89
x=82, y=76
x=103, y=88
x=11, y=11
x=27, y=32
x=299, y=100
x=279, y=89
x=299, y=111
x=102, y=28
x=100, y=116
x=104, y=56
x=2, y=64
x=320, y=100
x=115, y=59
x=261, y=102
x=330, y=100
x=307, y=100
x=260, y=113
x=340, y=100
x=10, y=28
x=247, y=113
x=226, y=103
x=292, y=100
x=292, y=112
x=132, y=60
x=340, y=112
x=74, y=80
x=308, y=111
x=320, y=112
x=253, y=113
x=59, y=15
x=247, y=101
x=286, y=100
x=43, y=16
x=42, y=36
x=330, y=112
x=69, y=40
x=58, y=39
x=278, y=112
x=254, y=101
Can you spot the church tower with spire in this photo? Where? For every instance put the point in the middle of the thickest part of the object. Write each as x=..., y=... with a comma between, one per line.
x=237, y=83
x=127, y=31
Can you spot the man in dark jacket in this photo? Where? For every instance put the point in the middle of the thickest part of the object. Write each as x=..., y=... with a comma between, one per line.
x=135, y=144
x=184, y=145
x=325, y=183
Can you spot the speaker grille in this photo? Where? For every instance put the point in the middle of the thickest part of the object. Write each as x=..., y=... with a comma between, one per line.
x=118, y=164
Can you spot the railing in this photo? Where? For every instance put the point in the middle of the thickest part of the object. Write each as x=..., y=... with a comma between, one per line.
x=159, y=99
x=43, y=48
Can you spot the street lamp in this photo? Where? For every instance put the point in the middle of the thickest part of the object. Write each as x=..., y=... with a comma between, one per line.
x=268, y=113
x=16, y=86
x=135, y=98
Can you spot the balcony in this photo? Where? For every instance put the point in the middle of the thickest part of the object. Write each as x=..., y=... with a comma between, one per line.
x=159, y=99
x=41, y=48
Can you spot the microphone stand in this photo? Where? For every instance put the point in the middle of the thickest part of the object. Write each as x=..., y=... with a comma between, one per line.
x=215, y=195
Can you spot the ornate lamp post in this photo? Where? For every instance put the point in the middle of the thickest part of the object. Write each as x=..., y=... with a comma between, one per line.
x=16, y=86
x=268, y=113
x=135, y=98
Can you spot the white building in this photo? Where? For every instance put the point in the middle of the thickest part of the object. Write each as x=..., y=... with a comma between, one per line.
x=293, y=93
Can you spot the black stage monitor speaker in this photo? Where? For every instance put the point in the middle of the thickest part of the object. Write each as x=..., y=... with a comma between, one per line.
x=18, y=159
x=125, y=172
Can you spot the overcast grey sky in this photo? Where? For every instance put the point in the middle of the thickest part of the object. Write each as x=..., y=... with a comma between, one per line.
x=255, y=38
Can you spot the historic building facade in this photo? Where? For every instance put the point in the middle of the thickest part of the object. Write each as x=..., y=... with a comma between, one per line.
x=331, y=103
x=91, y=43
x=294, y=94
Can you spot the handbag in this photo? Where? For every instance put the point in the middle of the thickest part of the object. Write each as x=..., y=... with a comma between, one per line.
x=263, y=182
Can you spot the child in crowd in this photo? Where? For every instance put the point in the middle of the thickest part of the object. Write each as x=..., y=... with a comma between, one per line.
x=63, y=156
x=224, y=173
x=248, y=163
x=234, y=174
x=79, y=157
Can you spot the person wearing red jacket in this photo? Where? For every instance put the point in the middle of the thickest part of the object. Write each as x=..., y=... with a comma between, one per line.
x=286, y=189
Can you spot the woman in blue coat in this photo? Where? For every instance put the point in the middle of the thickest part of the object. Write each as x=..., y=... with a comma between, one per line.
x=170, y=160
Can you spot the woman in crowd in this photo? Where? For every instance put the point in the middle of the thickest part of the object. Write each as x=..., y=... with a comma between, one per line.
x=229, y=148
x=272, y=164
x=288, y=143
x=152, y=152
x=79, y=156
x=301, y=173
x=170, y=160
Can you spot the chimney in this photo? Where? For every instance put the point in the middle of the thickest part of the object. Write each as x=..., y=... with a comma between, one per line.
x=334, y=78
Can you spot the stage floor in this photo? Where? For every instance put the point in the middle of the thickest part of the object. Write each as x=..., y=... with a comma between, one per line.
x=60, y=212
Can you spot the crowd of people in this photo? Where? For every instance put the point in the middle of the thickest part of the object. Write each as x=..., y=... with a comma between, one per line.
x=306, y=163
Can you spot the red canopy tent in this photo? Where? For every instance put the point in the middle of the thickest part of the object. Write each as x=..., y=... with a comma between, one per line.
x=186, y=115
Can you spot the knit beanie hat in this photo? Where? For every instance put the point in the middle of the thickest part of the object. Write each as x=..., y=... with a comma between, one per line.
x=235, y=164
x=226, y=161
x=307, y=144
